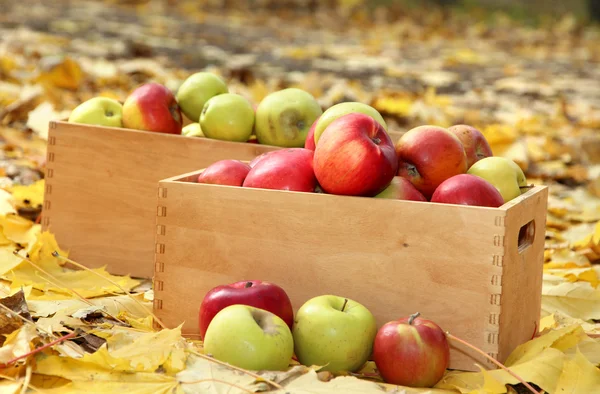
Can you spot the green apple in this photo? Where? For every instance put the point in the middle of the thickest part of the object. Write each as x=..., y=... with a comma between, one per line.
x=228, y=117
x=196, y=90
x=334, y=112
x=284, y=117
x=192, y=130
x=250, y=338
x=334, y=332
x=503, y=173
x=100, y=111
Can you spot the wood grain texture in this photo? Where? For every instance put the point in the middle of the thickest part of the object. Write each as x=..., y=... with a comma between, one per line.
x=100, y=198
x=395, y=257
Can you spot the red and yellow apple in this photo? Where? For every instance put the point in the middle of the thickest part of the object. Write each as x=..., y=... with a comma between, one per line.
x=225, y=172
x=152, y=107
x=286, y=169
x=310, y=137
x=467, y=189
x=474, y=142
x=401, y=189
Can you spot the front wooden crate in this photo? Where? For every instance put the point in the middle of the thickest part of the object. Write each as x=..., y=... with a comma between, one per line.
x=100, y=197
x=476, y=271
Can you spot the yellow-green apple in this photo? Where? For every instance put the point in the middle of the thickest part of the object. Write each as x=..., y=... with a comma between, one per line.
x=196, y=90
x=257, y=293
x=334, y=332
x=503, y=173
x=341, y=109
x=192, y=130
x=99, y=111
x=355, y=156
x=227, y=117
x=152, y=107
x=284, y=117
x=225, y=172
x=401, y=189
x=286, y=169
x=474, y=142
x=250, y=338
x=309, y=143
x=411, y=351
x=428, y=155
x=467, y=189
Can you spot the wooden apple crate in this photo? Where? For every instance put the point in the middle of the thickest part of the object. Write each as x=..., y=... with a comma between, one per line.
x=476, y=271
x=100, y=197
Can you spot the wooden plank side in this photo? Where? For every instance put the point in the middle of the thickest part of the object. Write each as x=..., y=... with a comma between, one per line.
x=100, y=199
x=395, y=257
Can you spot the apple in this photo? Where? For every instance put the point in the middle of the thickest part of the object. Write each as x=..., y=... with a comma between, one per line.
x=334, y=332
x=257, y=293
x=196, y=90
x=250, y=338
x=192, y=130
x=503, y=173
x=258, y=158
x=345, y=108
x=286, y=169
x=355, y=156
x=225, y=172
x=401, y=189
x=474, y=142
x=467, y=189
x=411, y=351
x=428, y=155
x=99, y=111
x=227, y=117
x=152, y=107
x=309, y=143
x=284, y=117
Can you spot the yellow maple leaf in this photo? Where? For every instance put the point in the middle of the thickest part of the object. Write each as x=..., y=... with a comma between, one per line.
x=62, y=72
x=579, y=376
x=18, y=343
x=28, y=196
x=579, y=299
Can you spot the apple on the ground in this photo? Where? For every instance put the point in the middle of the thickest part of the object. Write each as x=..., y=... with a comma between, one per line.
x=345, y=108
x=152, y=107
x=196, y=90
x=309, y=143
x=192, y=130
x=474, y=142
x=412, y=352
x=250, y=338
x=401, y=189
x=286, y=169
x=503, y=173
x=428, y=155
x=225, y=172
x=99, y=111
x=260, y=294
x=227, y=117
x=467, y=189
x=284, y=117
x=355, y=156
x=334, y=332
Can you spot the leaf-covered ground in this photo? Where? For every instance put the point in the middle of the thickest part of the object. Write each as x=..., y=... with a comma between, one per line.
x=533, y=91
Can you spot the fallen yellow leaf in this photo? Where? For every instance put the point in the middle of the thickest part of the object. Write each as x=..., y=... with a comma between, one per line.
x=579, y=376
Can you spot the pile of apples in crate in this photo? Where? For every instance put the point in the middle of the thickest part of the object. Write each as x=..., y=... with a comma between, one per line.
x=251, y=324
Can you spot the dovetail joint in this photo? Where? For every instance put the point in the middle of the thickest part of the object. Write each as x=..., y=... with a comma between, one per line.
x=157, y=304
x=162, y=192
x=494, y=319
x=492, y=355
x=492, y=338
x=159, y=266
x=51, y=140
x=160, y=248
x=161, y=211
x=498, y=260
x=50, y=156
x=52, y=124
x=499, y=221
x=495, y=299
x=48, y=189
x=160, y=229
x=49, y=173
x=498, y=240
x=47, y=205
x=496, y=280
x=158, y=285
x=45, y=221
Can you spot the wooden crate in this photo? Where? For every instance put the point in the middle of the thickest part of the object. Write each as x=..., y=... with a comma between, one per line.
x=100, y=197
x=476, y=271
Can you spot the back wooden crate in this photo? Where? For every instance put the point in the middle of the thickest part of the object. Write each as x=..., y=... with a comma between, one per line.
x=100, y=198
x=475, y=271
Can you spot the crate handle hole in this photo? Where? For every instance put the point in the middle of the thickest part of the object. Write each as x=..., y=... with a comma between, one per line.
x=526, y=236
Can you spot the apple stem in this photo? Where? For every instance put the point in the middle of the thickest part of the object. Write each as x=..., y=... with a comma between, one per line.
x=248, y=284
x=498, y=363
x=345, y=302
x=413, y=317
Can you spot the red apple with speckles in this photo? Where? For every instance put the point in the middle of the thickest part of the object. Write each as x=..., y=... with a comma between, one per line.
x=401, y=189
x=411, y=351
x=474, y=142
x=467, y=189
x=225, y=172
x=260, y=294
x=428, y=155
x=310, y=137
x=286, y=169
x=152, y=107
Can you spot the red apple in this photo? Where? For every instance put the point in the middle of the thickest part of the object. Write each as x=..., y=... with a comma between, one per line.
x=428, y=155
x=355, y=156
x=310, y=137
x=152, y=107
x=225, y=172
x=401, y=189
x=257, y=159
x=467, y=189
x=474, y=142
x=256, y=293
x=286, y=169
x=411, y=352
